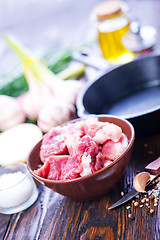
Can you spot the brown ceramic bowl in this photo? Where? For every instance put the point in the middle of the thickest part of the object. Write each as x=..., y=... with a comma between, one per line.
x=96, y=184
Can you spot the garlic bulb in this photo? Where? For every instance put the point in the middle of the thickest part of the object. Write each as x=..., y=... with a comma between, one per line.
x=50, y=100
x=55, y=113
x=11, y=113
x=68, y=90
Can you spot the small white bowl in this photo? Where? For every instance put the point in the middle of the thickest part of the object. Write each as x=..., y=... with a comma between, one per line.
x=17, y=188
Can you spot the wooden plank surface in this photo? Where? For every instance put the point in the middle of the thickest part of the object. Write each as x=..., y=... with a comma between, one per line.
x=54, y=216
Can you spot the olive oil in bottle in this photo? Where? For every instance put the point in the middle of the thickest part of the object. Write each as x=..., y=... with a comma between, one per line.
x=112, y=26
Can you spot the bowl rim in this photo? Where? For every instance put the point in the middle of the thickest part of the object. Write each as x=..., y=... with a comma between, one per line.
x=91, y=175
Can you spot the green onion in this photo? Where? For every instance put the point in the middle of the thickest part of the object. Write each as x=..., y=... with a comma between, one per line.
x=14, y=83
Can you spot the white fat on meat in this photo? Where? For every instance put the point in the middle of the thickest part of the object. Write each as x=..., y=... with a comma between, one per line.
x=86, y=167
x=109, y=131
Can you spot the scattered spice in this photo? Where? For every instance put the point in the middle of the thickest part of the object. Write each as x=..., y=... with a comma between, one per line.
x=131, y=216
x=157, y=180
x=152, y=211
x=155, y=200
x=151, y=197
x=143, y=200
x=149, y=192
x=150, y=152
x=152, y=194
x=128, y=207
x=136, y=204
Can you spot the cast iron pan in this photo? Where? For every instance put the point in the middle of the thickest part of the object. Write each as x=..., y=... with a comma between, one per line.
x=130, y=91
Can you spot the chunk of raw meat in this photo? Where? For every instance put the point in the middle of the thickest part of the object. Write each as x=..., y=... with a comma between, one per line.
x=53, y=143
x=99, y=162
x=124, y=141
x=43, y=171
x=111, y=150
x=73, y=168
x=80, y=148
x=74, y=133
x=88, y=147
x=53, y=167
x=57, y=165
x=83, y=154
x=91, y=126
x=109, y=131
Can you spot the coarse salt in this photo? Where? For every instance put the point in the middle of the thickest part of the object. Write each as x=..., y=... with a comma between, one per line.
x=8, y=180
x=15, y=189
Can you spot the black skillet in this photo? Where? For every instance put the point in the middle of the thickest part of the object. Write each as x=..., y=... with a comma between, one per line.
x=130, y=91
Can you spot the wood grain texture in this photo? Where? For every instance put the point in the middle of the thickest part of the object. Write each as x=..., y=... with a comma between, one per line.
x=56, y=217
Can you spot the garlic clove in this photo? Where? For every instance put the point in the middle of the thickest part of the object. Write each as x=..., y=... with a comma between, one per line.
x=140, y=181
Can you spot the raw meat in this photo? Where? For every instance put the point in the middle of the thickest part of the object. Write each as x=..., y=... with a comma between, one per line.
x=80, y=148
x=53, y=144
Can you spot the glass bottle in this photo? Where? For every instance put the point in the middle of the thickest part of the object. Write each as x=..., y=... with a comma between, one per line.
x=112, y=25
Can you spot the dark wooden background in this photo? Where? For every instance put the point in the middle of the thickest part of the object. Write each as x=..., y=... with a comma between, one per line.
x=43, y=24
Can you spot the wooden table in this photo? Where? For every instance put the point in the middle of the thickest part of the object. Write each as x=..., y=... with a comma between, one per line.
x=54, y=216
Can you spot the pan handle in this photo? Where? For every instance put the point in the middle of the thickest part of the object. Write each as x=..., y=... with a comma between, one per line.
x=92, y=60
x=153, y=167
